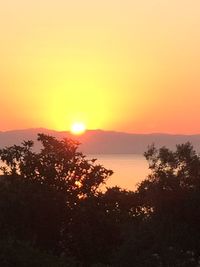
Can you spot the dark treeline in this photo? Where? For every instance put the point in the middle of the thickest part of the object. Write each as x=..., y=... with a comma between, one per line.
x=53, y=213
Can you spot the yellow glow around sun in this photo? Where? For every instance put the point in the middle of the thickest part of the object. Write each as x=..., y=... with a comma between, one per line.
x=78, y=128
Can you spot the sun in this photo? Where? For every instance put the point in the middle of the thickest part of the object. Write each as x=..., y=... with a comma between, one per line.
x=78, y=128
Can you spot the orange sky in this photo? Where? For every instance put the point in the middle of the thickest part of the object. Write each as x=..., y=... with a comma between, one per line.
x=117, y=65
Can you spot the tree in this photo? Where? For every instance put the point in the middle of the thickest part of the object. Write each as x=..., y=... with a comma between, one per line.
x=53, y=213
x=41, y=191
x=171, y=196
x=58, y=165
x=173, y=184
x=168, y=229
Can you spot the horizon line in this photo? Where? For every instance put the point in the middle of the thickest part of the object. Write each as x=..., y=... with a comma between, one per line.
x=96, y=130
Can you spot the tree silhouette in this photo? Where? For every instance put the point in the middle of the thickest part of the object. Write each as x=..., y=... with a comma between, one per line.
x=53, y=213
x=168, y=233
x=41, y=192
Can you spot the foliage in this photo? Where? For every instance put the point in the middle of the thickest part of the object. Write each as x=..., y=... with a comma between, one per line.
x=169, y=232
x=40, y=193
x=53, y=213
x=15, y=253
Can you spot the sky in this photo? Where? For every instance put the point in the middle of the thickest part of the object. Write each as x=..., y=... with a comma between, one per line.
x=121, y=65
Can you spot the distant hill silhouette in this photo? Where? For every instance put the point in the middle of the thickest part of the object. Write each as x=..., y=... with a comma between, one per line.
x=104, y=142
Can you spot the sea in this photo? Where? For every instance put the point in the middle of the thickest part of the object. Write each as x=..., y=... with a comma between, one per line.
x=129, y=169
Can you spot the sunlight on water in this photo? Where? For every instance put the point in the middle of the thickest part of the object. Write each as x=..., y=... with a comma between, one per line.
x=129, y=169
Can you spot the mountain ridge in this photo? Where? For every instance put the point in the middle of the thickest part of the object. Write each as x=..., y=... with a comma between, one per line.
x=102, y=141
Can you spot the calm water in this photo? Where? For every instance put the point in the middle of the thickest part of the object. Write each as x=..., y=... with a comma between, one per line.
x=128, y=169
